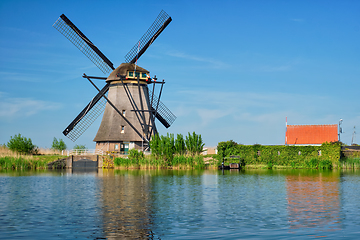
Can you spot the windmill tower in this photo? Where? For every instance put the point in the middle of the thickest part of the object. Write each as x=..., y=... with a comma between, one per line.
x=130, y=106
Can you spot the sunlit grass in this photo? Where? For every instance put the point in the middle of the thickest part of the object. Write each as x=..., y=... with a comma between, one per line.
x=350, y=163
x=13, y=160
x=149, y=161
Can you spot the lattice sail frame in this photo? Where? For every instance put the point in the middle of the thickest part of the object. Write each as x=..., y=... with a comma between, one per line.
x=83, y=44
x=164, y=115
x=149, y=36
x=87, y=117
x=84, y=123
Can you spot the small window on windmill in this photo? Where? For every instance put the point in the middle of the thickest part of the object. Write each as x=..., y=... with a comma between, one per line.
x=123, y=113
x=319, y=153
x=122, y=129
x=137, y=74
x=299, y=153
x=116, y=146
x=278, y=153
x=131, y=74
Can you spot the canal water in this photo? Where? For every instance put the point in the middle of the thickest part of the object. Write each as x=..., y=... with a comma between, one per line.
x=166, y=204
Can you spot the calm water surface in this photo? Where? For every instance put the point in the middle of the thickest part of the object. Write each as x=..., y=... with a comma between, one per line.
x=165, y=204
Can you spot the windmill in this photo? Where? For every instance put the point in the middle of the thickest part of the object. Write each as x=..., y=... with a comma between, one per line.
x=130, y=107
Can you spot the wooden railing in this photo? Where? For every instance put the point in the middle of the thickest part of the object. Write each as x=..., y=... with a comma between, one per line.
x=85, y=152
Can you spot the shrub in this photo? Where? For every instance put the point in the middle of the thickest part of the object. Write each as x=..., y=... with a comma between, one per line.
x=135, y=156
x=58, y=145
x=226, y=148
x=80, y=147
x=325, y=164
x=121, y=161
x=21, y=144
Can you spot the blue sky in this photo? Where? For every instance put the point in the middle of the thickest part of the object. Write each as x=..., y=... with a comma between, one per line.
x=234, y=70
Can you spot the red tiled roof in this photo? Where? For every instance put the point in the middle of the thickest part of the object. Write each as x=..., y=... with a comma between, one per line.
x=311, y=134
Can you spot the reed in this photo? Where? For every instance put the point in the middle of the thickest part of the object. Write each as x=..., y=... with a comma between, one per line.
x=350, y=163
x=138, y=160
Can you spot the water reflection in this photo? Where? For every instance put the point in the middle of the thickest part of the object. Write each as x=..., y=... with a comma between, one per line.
x=314, y=199
x=126, y=212
x=138, y=204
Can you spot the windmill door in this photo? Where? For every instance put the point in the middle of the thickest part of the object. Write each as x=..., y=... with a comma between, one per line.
x=125, y=147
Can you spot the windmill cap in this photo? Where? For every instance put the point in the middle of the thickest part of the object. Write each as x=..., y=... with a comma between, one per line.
x=122, y=71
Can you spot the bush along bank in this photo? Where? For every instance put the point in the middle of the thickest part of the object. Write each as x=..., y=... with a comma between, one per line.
x=326, y=156
x=167, y=152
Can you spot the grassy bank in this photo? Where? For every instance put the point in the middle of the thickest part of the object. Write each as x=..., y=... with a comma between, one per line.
x=151, y=162
x=350, y=163
x=13, y=160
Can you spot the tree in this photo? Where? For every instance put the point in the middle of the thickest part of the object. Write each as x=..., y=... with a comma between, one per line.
x=80, y=147
x=226, y=148
x=58, y=145
x=21, y=144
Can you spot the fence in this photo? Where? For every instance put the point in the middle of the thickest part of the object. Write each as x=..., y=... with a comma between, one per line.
x=85, y=152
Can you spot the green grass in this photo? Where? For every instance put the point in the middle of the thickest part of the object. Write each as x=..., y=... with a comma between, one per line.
x=26, y=162
x=178, y=162
x=350, y=163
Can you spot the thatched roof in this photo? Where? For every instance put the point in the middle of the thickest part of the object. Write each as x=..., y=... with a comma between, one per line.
x=122, y=70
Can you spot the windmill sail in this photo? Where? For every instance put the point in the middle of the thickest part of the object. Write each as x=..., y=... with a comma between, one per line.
x=87, y=116
x=160, y=23
x=163, y=114
x=71, y=32
x=99, y=103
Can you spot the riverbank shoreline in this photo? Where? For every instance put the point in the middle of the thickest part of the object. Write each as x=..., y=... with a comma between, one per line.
x=23, y=162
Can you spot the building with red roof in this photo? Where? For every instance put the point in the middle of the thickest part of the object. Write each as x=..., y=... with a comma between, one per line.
x=310, y=134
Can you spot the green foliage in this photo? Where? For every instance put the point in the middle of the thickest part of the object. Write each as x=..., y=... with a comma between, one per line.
x=312, y=163
x=180, y=147
x=166, y=151
x=165, y=147
x=162, y=147
x=58, y=144
x=272, y=156
x=80, y=147
x=21, y=144
x=155, y=145
x=125, y=162
x=325, y=164
x=194, y=143
x=23, y=163
x=350, y=163
x=226, y=148
x=135, y=156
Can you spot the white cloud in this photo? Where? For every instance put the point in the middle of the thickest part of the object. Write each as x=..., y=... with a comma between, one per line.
x=24, y=107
